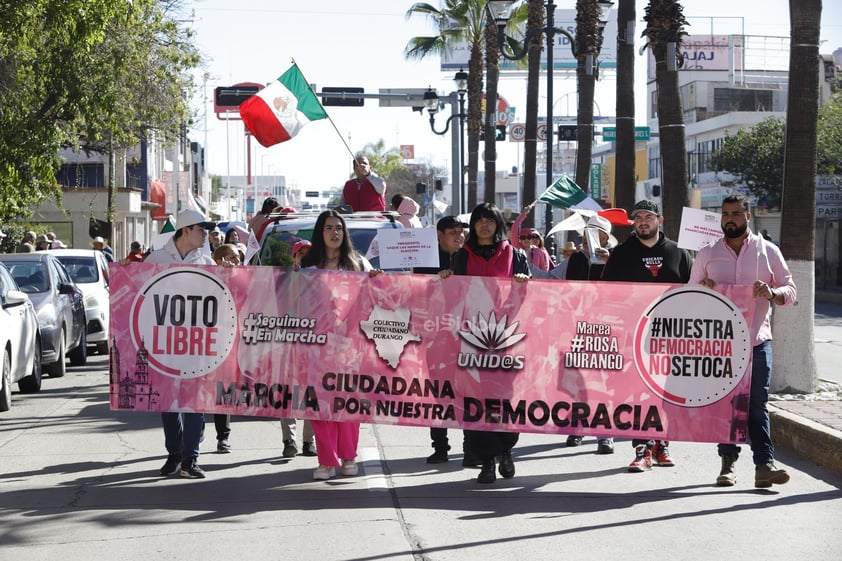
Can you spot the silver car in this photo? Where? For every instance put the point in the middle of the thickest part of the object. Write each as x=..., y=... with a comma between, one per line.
x=89, y=270
x=20, y=341
x=60, y=306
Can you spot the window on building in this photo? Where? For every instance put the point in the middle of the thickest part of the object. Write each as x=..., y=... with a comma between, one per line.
x=726, y=100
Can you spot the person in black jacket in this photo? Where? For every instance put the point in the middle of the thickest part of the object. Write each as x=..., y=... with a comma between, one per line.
x=648, y=256
x=488, y=253
x=451, y=236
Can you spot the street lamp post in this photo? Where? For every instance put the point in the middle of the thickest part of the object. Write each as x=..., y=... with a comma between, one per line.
x=501, y=9
x=456, y=99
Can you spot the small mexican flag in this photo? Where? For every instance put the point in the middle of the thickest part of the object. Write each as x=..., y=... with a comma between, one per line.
x=564, y=193
x=277, y=112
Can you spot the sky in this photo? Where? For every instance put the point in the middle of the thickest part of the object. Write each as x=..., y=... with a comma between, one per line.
x=340, y=43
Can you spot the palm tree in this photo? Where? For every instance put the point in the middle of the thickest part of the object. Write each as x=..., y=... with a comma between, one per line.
x=458, y=21
x=664, y=30
x=492, y=78
x=624, y=175
x=795, y=354
x=588, y=42
x=535, y=20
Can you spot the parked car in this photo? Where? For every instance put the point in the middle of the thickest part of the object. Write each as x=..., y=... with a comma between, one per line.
x=60, y=306
x=286, y=229
x=20, y=341
x=89, y=270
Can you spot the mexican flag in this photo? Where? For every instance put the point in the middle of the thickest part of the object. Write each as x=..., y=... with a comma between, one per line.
x=281, y=109
x=564, y=193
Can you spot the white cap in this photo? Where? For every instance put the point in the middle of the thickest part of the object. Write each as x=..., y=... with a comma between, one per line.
x=193, y=218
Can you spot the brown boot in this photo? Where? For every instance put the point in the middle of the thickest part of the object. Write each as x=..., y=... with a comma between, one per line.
x=728, y=474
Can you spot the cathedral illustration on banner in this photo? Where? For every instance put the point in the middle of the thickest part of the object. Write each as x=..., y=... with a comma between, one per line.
x=133, y=389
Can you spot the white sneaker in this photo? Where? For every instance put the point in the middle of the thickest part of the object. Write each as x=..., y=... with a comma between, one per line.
x=323, y=473
x=350, y=467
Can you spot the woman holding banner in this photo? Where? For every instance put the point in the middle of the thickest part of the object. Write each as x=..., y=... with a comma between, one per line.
x=332, y=249
x=487, y=253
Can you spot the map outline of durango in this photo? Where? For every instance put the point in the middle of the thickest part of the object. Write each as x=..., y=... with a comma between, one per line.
x=389, y=330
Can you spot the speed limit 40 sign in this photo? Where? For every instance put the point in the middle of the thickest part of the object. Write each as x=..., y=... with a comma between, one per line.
x=517, y=132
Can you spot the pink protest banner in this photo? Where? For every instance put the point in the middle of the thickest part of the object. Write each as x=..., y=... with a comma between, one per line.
x=628, y=360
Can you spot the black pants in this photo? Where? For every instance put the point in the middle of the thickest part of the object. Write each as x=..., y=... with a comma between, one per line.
x=223, y=426
x=439, y=438
x=488, y=445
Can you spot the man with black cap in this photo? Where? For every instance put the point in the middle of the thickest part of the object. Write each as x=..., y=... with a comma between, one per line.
x=648, y=256
x=451, y=235
x=183, y=431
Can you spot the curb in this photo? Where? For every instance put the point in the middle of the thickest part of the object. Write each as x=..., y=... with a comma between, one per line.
x=812, y=441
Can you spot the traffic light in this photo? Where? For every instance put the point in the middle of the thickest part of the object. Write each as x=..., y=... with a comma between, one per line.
x=343, y=97
x=568, y=133
x=233, y=96
x=499, y=133
x=420, y=188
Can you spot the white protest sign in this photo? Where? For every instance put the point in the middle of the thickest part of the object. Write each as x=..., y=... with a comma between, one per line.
x=407, y=248
x=698, y=228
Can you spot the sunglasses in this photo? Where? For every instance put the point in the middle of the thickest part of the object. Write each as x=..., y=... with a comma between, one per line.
x=530, y=237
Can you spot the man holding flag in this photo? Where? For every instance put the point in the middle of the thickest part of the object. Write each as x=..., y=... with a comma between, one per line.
x=366, y=191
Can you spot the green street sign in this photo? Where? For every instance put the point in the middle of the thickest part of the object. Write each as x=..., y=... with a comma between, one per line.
x=610, y=133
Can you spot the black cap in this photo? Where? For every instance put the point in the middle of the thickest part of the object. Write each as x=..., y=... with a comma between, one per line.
x=648, y=206
x=448, y=222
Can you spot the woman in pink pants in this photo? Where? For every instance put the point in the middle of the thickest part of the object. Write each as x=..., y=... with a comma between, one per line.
x=336, y=443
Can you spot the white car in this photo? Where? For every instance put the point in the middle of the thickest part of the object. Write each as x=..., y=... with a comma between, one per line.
x=89, y=270
x=20, y=340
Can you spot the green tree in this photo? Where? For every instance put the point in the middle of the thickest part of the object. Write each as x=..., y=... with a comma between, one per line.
x=755, y=156
x=90, y=73
x=830, y=136
x=404, y=180
x=384, y=161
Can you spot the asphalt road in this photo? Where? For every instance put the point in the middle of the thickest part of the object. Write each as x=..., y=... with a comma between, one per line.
x=79, y=482
x=827, y=332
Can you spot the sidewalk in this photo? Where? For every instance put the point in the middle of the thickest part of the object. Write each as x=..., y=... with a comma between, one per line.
x=810, y=425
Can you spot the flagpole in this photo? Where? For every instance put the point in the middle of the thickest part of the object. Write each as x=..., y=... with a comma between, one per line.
x=339, y=134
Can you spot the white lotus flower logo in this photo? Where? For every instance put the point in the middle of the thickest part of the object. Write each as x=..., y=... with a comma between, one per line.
x=490, y=334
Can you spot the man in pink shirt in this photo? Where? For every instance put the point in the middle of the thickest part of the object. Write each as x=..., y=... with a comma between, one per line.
x=742, y=257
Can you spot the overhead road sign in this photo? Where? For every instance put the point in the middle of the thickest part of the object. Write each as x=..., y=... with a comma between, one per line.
x=400, y=97
x=610, y=133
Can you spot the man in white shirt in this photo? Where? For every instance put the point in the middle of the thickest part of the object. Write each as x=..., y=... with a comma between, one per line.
x=183, y=431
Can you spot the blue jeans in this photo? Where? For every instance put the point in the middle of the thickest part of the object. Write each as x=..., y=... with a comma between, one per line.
x=759, y=432
x=182, y=433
